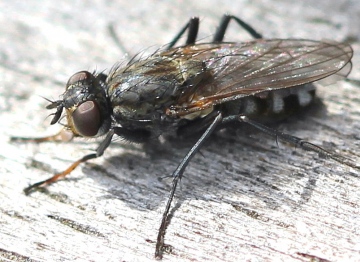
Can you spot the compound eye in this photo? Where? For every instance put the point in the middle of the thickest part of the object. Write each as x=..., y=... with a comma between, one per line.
x=79, y=77
x=87, y=119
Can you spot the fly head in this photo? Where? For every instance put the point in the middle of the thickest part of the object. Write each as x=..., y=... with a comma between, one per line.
x=86, y=104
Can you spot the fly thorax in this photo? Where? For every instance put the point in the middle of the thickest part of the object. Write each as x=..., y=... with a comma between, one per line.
x=141, y=99
x=144, y=90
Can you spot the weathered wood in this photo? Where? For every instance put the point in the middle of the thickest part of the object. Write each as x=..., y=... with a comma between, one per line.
x=242, y=198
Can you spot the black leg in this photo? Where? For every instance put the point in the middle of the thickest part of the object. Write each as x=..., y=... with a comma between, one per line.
x=193, y=27
x=116, y=39
x=177, y=175
x=305, y=145
x=220, y=32
x=197, y=126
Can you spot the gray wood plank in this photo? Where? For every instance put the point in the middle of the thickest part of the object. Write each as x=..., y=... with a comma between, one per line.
x=242, y=198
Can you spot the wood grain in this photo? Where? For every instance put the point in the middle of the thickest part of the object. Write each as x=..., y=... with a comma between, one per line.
x=242, y=198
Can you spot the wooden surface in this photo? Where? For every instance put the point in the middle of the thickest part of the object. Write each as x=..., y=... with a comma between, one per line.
x=242, y=198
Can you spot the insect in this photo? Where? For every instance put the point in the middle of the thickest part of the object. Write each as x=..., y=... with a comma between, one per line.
x=197, y=87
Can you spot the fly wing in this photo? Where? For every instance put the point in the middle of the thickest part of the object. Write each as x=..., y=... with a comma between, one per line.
x=242, y=69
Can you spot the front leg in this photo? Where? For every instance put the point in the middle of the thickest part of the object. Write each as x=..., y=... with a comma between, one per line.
x=99, y=152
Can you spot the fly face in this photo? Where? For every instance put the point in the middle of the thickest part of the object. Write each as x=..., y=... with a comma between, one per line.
x=198, y=87
x=86, y=105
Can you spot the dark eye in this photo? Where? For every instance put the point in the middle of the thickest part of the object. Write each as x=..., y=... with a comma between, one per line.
x=86, y=119
x=79, y=77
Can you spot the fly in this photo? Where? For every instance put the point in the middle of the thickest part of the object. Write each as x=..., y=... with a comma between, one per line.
x=178, y=91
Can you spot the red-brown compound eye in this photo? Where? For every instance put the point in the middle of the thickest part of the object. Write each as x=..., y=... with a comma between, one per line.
x=87, y=119
x=78, y=77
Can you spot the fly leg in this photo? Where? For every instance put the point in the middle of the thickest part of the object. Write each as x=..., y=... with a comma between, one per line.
x=99, y=152
x=135, y=136
x=63, y=136
x=193, y=27
x=296, y=141
x=177, y=175
x=198, y=126
x=224, y=23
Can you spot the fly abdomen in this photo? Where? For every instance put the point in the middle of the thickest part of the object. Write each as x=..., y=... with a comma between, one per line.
x=274, y=105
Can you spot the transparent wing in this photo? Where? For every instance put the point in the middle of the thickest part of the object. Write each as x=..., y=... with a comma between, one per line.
x=236, y=70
